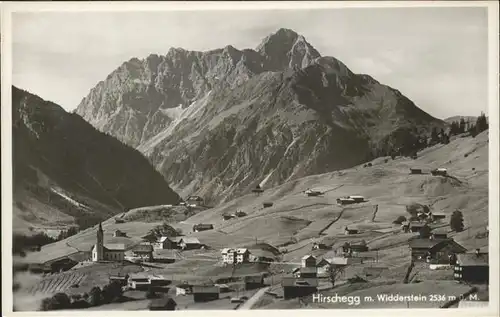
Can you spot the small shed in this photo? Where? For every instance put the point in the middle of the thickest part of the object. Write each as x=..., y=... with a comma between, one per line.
x=267, y=204
x=203, y=227
x=205, y=293
x=195, y=201
x=254, y=281
x=415, y=171
x=257, y=189
x=144, y=251
x=348, y=231
x=345, y=201
x=164, y=303
x=439, y=172
x=298, y=287
x=122, y=279
x=119, y=233
x=227, y=217
x=189, y=243
x=309, y=261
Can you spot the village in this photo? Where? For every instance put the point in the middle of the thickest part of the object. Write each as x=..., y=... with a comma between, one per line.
x=156, y=273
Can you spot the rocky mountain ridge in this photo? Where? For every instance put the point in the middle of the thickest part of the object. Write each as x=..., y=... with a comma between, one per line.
x=218, y=123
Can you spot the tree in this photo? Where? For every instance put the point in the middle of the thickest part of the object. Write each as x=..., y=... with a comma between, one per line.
x=434, y=135
x=457, y=221
x=481, y=123
x=461, y=127
x=334, y=272
x=399, y=220
x=95, y=296
x=111, y=291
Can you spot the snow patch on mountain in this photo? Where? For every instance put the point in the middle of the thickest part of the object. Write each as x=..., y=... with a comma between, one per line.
x=189, y=113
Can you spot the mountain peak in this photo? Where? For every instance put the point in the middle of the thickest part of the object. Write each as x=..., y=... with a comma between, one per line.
x=286, y=48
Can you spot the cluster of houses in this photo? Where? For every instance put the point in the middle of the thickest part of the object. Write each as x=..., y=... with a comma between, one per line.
x=243, y=255
x=182, y=243
x=435, y=172
x=193, y=201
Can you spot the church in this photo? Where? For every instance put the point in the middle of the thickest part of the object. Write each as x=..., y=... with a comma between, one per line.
x=106, y=252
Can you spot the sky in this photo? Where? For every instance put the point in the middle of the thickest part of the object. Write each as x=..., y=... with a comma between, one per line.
x=437, y=57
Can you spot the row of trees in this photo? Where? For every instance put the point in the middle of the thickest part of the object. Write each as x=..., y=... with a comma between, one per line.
x=462, y=126
x=162, y=230
x=110, y=293
x=22, y=243
x=420, y=212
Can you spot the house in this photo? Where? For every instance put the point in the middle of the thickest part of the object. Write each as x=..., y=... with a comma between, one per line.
x=164, y=303
x=415, y=171
x=109, y=252
x=298, y=287
x=345, y=201
x=348, y=231
x=305, y=272
x=202, y=227
x=435, y=251
x=261, y=256
x=158, y=281
x=240, y=213
x=309, y=261
x=143, y=251
x=437, y=216
x=353, y=248
x=205, y=293
x=257, y=189
x=472, y=267
x=439, y=234
x=195, y=201
x=122, y=279
x=267, y=204
x=139, y=281
x=254, y=281
x=228, y=255
x=167, y=243
x=313, y=193
x=119, y=233
x=242, y=255
x=319, y=246
x=189, y=243
x=357, y=199
x=223, y=288
x=439, y=172
x=416, y=226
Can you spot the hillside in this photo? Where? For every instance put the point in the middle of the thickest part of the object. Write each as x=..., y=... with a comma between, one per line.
x=217, y=123
x=66, y=173
x=295, y=220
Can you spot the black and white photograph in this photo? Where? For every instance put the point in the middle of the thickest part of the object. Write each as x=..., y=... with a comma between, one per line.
x=250, y=156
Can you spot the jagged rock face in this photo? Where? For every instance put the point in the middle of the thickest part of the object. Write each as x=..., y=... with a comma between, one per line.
x=220, y=122
x=54, y=151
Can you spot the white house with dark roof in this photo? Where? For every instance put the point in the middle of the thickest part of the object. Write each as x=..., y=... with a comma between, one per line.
x=228, y=255
x=242, y=255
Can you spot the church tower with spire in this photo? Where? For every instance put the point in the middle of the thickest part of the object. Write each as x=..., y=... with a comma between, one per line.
x=99, y=247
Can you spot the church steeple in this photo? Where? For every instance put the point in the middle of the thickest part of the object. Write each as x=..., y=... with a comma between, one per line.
x=100, y=243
